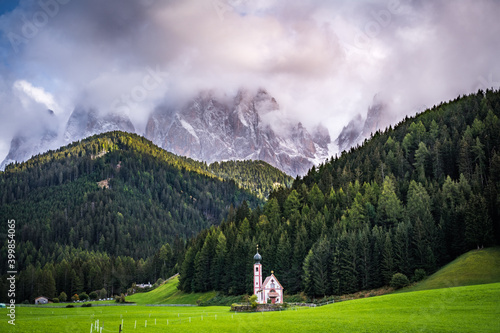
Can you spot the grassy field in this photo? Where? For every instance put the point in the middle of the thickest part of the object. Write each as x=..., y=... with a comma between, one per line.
x=460, y=309
x=471, y=268
x=169, y=294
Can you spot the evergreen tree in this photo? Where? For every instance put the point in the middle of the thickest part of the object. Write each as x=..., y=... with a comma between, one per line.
x=387, y=259
x=478, y=226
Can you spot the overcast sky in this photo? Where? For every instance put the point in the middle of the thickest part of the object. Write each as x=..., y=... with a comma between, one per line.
x=322, y=60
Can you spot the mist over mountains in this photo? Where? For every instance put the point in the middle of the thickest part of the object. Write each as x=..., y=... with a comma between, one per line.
x=208, y=128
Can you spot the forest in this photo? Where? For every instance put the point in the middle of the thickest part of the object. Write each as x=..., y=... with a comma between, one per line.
x=114, y=209
x=408, y=200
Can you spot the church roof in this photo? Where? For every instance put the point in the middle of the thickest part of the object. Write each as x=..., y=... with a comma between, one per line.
x=257, y=257
x=268, y=281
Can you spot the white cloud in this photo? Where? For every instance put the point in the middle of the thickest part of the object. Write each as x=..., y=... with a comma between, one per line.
x=37, y=94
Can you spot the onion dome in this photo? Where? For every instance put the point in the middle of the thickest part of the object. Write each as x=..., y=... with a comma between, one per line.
x=257, y=257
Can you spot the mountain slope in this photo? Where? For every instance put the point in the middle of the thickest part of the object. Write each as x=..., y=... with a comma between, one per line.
x=211, y=129
x=31, y=142
x=258, y=177
x=115, y=193
x=117, y=203
x=413, y=197
x=45, y=134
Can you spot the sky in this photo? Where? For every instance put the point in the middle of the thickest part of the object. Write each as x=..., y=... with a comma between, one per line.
x=323, y=60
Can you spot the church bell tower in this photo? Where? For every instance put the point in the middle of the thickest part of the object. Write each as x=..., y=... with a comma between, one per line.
x=257, y=277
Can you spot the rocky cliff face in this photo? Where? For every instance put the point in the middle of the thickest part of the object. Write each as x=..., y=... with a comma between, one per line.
x=211, y=129
x=360, y=129
x=33, y=141
x=206, y=128
x=85, y=122
x=45, y=135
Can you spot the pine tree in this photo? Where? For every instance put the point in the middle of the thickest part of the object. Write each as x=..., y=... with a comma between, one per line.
x=402, y=249
x=478, y=225
x=387, y=259
x=390, y=208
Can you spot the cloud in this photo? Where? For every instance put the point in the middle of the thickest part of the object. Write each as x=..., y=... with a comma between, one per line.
x=322, y=60
x=36, y=94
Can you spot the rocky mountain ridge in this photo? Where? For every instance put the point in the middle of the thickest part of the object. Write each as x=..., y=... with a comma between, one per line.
x=211, y=129
x=206, y=128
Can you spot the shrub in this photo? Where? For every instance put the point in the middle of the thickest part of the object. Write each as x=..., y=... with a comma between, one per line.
x=158, y=283
x=102, y=293
x=75, y=298
x=70, y=306
x=253, y=301
x=87, y=305
x=84, y=296
x=93, y=295
x=399, y=281
x=55, y=300
x=419, y=275
x=63, y=297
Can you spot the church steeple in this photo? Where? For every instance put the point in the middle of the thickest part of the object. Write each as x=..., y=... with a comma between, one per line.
x=257, y=277
x=257, y=257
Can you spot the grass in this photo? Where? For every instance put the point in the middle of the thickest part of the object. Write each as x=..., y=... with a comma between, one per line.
x=169, y=294
x=459, y=309
x=471, y=268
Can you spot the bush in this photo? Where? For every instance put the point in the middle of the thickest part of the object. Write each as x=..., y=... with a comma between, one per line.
x=63, y=297
x=419, y=275
x=102, y=293
x=70, y=306
x=399, y=281
x=253, y=301
x=88, y=305
x=55, y=300
x=93, y=295
x=75, y=298
x=158, y=283
x=84, y=296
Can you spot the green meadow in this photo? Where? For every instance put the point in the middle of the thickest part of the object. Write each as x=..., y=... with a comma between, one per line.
x=459, y=309
x=474, y=267
x=168, y=293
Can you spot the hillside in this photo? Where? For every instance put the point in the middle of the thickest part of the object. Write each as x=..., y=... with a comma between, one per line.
x=471, y=268
x=168, y=293
x=111, y=210
x=415, y=196
x=258, y=177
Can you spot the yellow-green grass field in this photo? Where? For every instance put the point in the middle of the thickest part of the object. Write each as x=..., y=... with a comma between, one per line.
x=460, y=309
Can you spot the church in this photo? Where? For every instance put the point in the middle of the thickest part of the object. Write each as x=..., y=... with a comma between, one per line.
x=271, y=289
